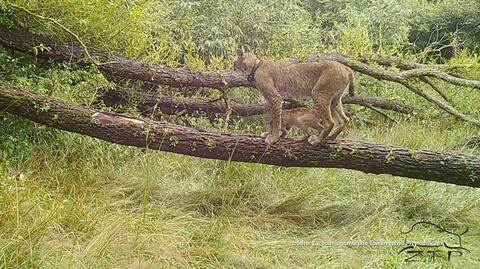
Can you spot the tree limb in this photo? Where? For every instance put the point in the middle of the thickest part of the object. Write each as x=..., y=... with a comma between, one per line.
x=120, y=67
x=57, y=24
x=383, y=114
x=430, y=83
x=147, y=103
x=403, y=64
x=439, y=103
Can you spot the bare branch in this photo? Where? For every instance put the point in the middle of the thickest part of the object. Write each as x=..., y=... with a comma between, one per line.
x=428, y=81
x=148, y=103
x=439, y=103
x=383, y=113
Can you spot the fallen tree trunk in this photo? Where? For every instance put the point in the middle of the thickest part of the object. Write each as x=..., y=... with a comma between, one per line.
x=148, y=103
x=363, y=156
x=164, y=75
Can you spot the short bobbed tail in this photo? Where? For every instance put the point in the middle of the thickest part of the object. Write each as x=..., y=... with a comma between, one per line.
x=351, y=85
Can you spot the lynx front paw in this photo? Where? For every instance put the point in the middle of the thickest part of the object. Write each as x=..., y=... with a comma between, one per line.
x=272, y=138
x=312, y=139
x=264, y=134
x=315, y=140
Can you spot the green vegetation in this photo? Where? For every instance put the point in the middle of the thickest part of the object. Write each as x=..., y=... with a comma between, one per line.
x=70, y=201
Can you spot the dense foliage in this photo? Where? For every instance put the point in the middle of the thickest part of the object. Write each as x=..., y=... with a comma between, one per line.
x=198, y=32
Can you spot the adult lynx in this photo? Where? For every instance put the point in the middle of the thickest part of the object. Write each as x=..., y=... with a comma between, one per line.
x=323, y=81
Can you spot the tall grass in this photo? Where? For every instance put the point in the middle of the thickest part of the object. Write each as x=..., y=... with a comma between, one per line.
x=77, y=202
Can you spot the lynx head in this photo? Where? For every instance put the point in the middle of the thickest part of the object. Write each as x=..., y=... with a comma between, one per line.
x=244, y=61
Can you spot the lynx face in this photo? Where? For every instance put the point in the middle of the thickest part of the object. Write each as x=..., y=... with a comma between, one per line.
x=238, y=65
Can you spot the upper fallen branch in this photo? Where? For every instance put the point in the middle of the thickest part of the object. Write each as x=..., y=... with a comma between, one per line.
x=393, y=61
x=38, y=16
x=409, y=65
x=148, y=103
x=431, y=72
x=124, y=68
x=367, y=157
x=118, y=66
x=403, y=64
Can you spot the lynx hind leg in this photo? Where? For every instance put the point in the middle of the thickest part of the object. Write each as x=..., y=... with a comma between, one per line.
x=317, y=126
x=340, y=118
x=323, y=110
x=267, y=121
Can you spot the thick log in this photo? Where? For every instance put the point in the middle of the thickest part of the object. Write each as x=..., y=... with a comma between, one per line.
x=363, y=156
x=148, y=103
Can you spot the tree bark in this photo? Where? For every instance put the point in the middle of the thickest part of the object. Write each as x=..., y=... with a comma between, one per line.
x=148, y=103
x=363, y=156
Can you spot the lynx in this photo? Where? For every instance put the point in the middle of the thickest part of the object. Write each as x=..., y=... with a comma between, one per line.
x=302, y=118
x=323, y=81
